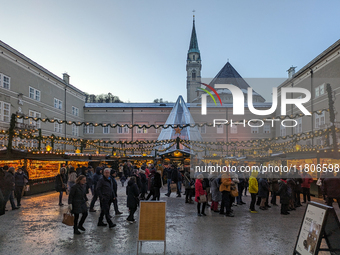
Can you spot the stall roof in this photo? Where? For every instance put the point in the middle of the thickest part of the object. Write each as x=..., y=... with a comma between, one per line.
x=17, y=154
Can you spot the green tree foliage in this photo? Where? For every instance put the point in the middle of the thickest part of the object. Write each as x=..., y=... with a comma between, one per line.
x=102, y=98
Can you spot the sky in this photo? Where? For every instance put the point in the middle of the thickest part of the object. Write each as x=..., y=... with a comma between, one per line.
x=137, y=50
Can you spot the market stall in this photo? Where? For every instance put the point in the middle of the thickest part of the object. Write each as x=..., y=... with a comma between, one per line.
x=43, y=167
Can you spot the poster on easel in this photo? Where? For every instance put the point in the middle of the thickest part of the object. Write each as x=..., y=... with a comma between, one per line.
x=310, y=230
x=319, y=221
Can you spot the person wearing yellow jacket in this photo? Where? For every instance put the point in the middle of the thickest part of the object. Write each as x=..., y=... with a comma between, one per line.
x=225, y=189
x=253, y=190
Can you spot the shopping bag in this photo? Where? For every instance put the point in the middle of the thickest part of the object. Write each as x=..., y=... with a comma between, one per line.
x=68, y=219
x=25, y=189
x=173, y=187
x=203, y=199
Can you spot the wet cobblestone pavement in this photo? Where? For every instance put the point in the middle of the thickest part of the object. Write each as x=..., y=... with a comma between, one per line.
x=36, y=228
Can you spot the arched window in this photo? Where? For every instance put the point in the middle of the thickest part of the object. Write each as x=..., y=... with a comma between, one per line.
x=193, y=57
x=193, y=75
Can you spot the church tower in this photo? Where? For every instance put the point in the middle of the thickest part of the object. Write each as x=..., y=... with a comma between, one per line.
x=194, y=66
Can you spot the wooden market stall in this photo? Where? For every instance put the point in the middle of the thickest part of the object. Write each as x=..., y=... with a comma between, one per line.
x=314, y=162
x=42, y=167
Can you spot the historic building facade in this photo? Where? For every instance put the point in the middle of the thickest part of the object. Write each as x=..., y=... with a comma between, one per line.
x=322, y=70
x=29, y=89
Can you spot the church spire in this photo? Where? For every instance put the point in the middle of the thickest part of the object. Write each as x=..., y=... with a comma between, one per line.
x=193, y=41
x=194, y=66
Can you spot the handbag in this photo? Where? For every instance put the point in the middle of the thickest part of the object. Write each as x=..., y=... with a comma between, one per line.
x=203, y=199
x=233, y=192
x=68, y=219
x=191, y=183
x=173, y=187
x=319, y=182
x=26, y=188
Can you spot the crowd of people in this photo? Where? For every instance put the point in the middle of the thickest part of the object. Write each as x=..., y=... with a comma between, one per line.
x=226, y=190
x=219, y=192
x=102, y=184
x=12, y=182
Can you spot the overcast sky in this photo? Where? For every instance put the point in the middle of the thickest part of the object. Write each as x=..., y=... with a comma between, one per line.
x=137, y=49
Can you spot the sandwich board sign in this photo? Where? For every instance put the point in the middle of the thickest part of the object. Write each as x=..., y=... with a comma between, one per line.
x=319, y=221
x=152, y=223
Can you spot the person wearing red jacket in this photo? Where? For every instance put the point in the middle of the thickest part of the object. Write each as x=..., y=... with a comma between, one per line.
x=198, y=192
x=306, y=181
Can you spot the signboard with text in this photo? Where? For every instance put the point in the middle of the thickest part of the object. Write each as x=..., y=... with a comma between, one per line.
x=319, y=221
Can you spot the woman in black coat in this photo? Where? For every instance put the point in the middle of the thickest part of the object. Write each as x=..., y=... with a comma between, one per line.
x=77, y=203
x=263, y=192
x=157, y=185
x=61, y=184
x=132, y=193
x=285, y=195
x=144, y=184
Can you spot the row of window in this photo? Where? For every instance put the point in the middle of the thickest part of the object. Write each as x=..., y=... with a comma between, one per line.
x=58, y=128
x=233, y=129
x=320, y=90
x=58, y=104
x=120, y=130
x=5, y=81
x=5, y=111
x=35, y=94
x=319, y=122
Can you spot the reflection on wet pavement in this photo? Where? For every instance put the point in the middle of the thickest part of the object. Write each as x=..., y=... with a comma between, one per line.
x=37, y=229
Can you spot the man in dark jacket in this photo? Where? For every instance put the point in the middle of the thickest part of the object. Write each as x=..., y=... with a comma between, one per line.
x=20, y=180
x=274, y=190
x=285, y=195
x=114, y=183
x=168, y=172
x=298, y=189
x=331, y=187
x=174, y=178
x=9, y=186
x=25, y=171
x=96, y=178
x=106, y=195
x=2, y=199
x=79, y=170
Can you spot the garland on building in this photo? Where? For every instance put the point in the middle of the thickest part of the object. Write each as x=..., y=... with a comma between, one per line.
x=163, y=126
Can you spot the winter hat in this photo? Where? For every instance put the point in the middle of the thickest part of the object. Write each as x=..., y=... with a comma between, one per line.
x=200, y=176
